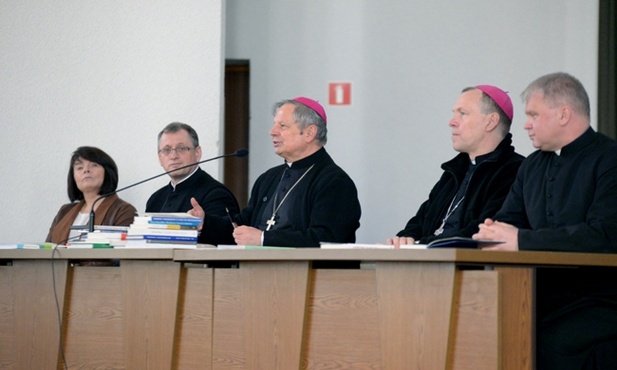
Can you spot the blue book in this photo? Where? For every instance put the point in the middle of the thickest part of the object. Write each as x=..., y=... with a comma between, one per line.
x=170, y=238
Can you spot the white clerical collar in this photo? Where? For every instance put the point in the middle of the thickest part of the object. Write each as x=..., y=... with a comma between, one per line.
x=558, y=152
x=184, y=179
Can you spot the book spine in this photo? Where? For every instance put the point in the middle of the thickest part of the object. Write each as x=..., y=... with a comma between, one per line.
x=168, y=232
x=175, y=222
x=170, y=238
x=167, y=226
x=174, y=219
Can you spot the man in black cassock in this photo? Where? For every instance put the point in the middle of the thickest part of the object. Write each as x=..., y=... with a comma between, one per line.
x=564, y=198
x=304, y=201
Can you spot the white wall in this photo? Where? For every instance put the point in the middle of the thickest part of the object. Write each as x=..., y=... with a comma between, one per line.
x=110, y=74
x=408, y=61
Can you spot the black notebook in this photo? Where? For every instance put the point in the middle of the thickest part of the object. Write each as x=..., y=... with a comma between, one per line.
x=460, y=242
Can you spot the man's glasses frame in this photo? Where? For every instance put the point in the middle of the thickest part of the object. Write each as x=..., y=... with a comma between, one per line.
x=180, y=150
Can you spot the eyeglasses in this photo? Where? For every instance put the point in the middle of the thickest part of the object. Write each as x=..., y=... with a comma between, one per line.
x=180, y=150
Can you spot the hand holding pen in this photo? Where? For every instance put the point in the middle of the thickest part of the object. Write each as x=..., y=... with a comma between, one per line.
x=230, y=219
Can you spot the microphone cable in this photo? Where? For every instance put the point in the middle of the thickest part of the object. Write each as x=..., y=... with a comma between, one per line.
x=58, y=310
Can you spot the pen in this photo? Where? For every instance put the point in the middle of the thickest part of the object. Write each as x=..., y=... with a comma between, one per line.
x=230, y=219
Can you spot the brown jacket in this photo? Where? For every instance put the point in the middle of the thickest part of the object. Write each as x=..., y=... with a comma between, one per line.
x=112, y=211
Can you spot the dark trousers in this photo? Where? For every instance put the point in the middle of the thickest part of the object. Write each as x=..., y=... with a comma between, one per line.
x=581, y=335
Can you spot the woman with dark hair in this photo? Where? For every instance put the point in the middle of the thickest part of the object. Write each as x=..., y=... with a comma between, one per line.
x=92, y=172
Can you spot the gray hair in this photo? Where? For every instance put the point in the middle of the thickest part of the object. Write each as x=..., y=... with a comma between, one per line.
x=560, y=88
x=177, y=126
x=305, y=117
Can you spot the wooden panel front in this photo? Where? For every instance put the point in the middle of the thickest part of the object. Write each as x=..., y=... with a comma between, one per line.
x=227, y=326
x=29, y=314
x=275, y=303
x=259, y=315
x=415, y=309
x=94, y=322
x=476, y=343
x=518, y=320
x=343, y=325
x=193, y=342
x=122, y=317
x=151, y=304
x=353, y=322
x=8, y=353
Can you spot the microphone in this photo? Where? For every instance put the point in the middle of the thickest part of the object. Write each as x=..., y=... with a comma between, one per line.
x=238, y=153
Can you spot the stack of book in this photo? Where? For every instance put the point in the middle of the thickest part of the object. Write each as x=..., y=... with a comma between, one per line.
x=163, y=230
x=104, y=236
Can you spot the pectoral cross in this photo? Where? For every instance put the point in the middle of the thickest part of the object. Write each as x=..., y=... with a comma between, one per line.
x=270, y=223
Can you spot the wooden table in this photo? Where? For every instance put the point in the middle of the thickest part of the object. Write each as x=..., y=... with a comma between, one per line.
x=113, y=317
x=273, y=308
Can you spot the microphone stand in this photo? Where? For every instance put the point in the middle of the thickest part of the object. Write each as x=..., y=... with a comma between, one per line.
x=237, y=153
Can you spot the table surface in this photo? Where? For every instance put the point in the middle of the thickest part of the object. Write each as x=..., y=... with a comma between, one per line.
x=315, y=254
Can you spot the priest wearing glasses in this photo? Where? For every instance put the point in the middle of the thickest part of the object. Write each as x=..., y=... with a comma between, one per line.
x=304, y=201
x=178, y=148
x=474, y=183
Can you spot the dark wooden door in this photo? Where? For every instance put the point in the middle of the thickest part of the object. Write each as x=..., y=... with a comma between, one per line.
x=237, y=127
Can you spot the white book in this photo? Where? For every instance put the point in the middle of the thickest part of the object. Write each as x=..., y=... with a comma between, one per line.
x=167, y=215
x=369, y=246
x=324, y=245
x=166, y=246
x=235, y=246
x=89, y=245
x=156, y=231
x=20, y=246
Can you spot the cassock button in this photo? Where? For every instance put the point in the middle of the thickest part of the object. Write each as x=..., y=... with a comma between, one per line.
x=265, y=199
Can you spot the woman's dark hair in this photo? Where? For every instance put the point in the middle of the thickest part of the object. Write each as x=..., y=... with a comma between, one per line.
x=96, y=155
